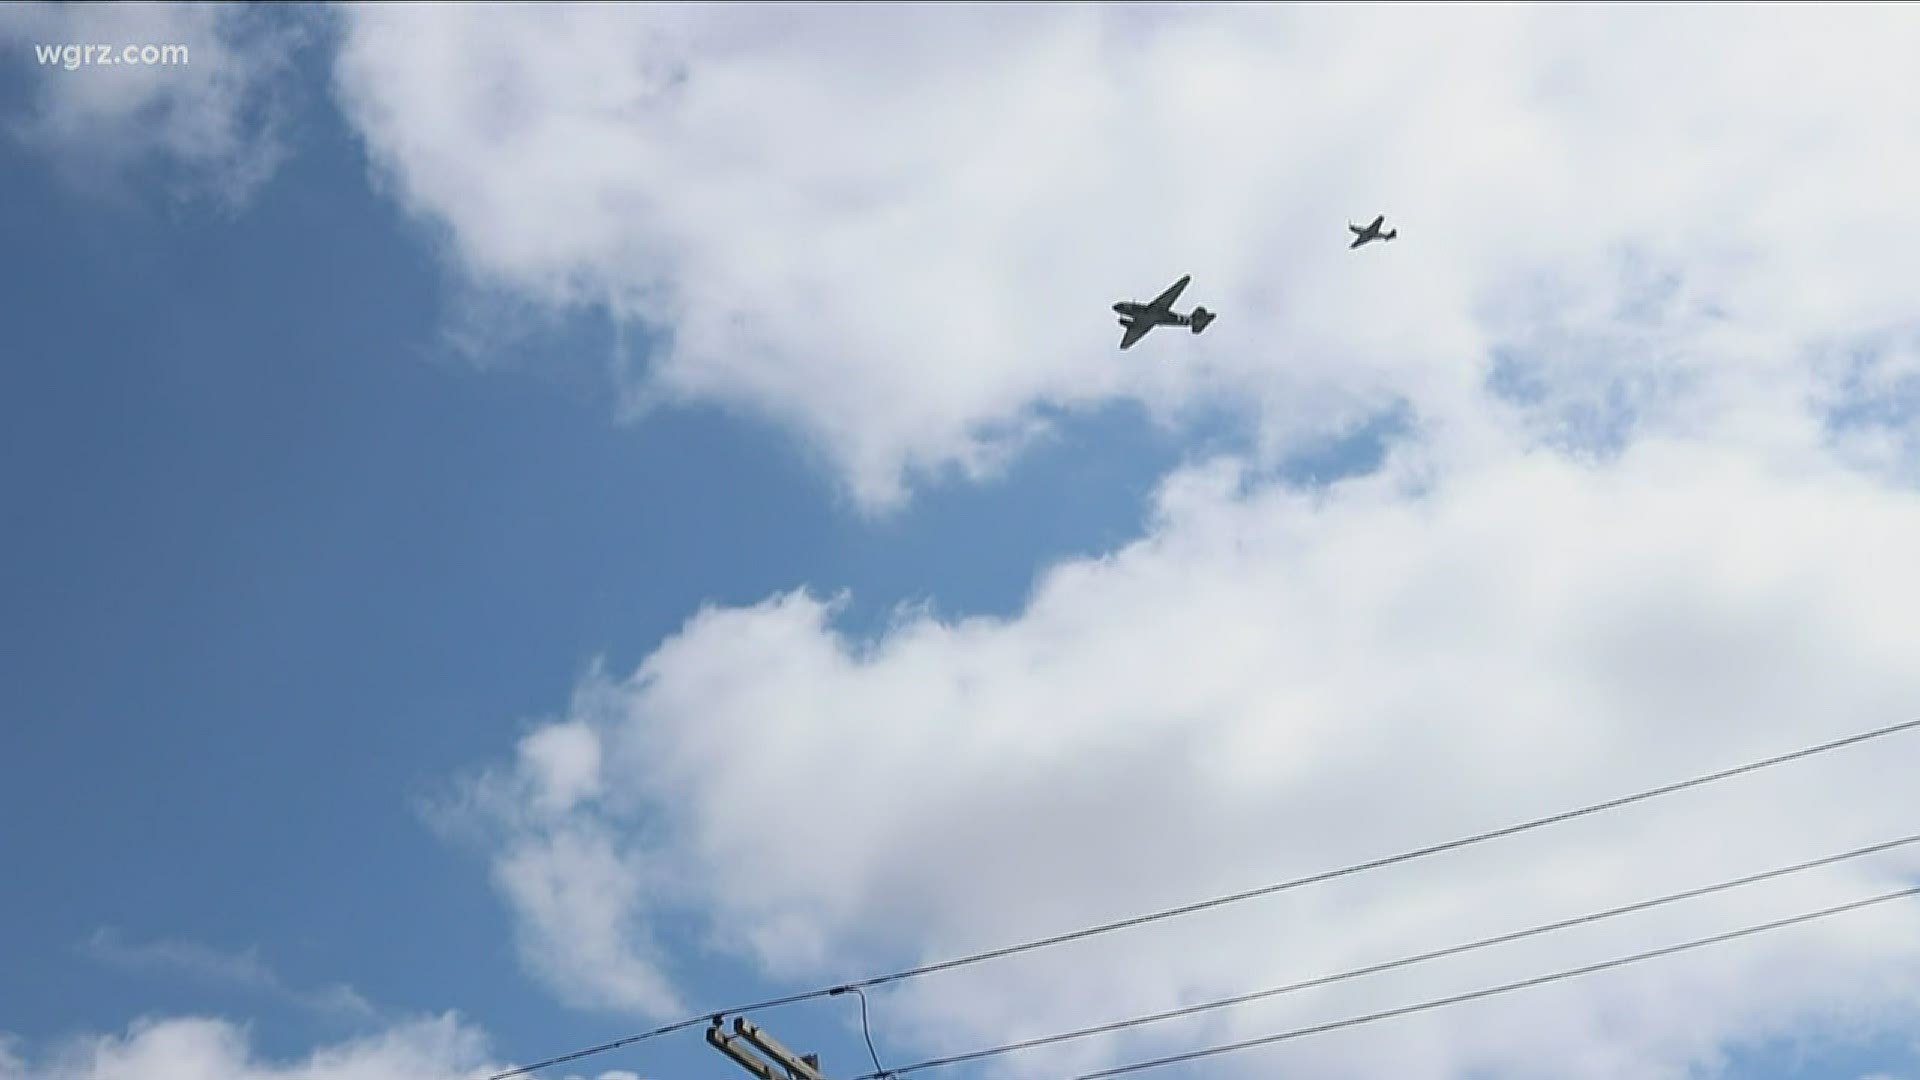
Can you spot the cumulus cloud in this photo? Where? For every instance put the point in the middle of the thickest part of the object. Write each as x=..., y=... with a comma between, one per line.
x=577, y=884
x=897, y=233
x=211, y=125
x=241, y=970
x=204, y=1048
x=1274, y=681
x=1649, y=324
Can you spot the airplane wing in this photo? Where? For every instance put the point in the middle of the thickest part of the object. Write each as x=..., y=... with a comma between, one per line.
x=1164, y=302
x=1357, y=241
x=1377, y=222
x=1136, y=330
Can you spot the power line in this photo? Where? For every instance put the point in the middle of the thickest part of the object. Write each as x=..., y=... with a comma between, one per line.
x=1221, y=901
x=880, y=1072
x=616, y=1044
x=1457, y=999
x=1390, y=965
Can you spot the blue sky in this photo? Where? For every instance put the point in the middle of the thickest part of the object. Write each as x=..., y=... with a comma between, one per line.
x=369, y=660
x=281, y=562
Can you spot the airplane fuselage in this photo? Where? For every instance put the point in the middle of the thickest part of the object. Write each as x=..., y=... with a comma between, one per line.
x=1371, y=232
x=1134, y=312
x=1138, y=318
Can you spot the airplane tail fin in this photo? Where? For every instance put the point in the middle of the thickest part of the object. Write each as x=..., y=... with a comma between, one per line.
x=1390, y=234
x=1200, y=318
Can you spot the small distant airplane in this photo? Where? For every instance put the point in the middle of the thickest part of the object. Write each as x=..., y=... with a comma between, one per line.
x=1371, y=232
x=1139, y=318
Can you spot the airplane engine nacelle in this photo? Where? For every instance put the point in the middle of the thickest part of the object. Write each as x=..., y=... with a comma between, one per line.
x=1200, y=318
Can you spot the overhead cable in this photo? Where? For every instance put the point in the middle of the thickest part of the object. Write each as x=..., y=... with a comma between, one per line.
x=1524, y=984
x=1390, y=965
x=1221, y=901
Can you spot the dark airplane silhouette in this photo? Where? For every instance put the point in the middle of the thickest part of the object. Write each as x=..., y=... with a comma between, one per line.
x=1139, y=318
x=1371, y=232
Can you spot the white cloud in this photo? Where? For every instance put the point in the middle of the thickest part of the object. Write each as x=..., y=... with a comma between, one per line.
x=213, y=124
x=242, y=970
x=1276, y=681
x=566, y=872
x=1650, y=313
x=564, y=760
x=201, y=1048
x=578, y=895
x=898, y=233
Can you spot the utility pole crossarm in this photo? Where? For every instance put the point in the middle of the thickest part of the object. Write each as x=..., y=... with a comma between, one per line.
x=724, y=1043
x=802, y=1068
x=797, y=1066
